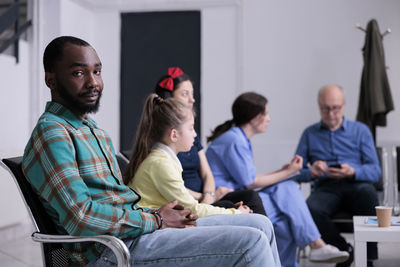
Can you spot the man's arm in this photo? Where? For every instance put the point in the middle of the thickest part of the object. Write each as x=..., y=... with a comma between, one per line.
x=51, y=168
x=168, y=183
x=365, y=168
x=369, y=169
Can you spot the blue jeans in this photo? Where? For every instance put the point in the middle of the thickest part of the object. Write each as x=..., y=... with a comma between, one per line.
x=218, y=240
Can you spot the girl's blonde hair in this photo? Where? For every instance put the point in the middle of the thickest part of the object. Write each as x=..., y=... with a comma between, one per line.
x=158, y=117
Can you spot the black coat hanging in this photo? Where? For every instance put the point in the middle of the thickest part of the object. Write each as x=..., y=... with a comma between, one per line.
x=375, y=96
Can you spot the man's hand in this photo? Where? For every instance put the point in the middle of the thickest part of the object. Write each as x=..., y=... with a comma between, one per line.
x=176, y=216
x=221, y=192
x=346, y=171
x=318, y=168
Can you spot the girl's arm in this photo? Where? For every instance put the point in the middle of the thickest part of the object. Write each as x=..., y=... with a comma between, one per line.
x=171, y=187
x=267, y=179
x=196, y=195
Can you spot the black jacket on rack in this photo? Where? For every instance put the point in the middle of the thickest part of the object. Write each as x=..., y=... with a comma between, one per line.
x=375, y=96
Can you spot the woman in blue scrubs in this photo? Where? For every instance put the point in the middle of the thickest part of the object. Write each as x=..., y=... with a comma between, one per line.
x=231, y=160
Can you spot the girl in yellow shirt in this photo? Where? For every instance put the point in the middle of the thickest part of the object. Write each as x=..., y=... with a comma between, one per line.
x=155, y=172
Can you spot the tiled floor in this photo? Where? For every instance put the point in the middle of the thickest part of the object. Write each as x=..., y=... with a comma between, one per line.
x=23, y=252
x=389, y=255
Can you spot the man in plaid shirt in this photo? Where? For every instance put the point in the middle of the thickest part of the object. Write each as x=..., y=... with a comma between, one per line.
x=71, y=165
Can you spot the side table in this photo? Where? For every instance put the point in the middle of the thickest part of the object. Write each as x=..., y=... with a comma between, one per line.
x=364, y=233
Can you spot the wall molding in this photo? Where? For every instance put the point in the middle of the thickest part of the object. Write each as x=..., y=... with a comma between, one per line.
x=155, y=5
x=177, y=5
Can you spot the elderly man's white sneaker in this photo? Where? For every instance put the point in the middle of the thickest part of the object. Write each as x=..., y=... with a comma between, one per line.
x=328, y=253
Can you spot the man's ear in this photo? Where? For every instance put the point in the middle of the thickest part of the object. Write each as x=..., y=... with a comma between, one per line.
x=173, y=135
x=49, y=78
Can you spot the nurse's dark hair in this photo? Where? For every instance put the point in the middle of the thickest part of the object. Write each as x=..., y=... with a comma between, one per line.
x=245, y=107
x=158, y=117
x=54, y=50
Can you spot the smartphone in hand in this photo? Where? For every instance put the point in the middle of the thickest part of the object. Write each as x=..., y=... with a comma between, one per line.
x=335, y=166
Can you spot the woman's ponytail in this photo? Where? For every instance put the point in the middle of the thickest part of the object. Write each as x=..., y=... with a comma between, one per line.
x=220, y=129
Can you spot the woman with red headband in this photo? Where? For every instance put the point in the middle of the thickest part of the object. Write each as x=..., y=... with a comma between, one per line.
x=197, y=175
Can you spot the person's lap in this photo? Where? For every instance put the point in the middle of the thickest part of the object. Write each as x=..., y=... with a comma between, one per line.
x=218, y=240
x=358, y=198
x=249, y=198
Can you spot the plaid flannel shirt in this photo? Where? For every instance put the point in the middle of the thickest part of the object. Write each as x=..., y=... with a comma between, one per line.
x=71, y=165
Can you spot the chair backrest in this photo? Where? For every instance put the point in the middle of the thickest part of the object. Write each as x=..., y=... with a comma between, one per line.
x=54, y=254
x=122, y=162
x=126, y=153
x=382, y=160
x=398, y=166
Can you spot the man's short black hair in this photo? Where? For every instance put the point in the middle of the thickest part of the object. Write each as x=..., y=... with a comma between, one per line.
x=54, y=50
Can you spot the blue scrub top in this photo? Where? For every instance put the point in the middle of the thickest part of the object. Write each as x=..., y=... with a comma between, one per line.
x=231, y=159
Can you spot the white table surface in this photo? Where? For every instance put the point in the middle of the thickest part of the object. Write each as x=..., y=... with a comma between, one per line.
x=364, y=233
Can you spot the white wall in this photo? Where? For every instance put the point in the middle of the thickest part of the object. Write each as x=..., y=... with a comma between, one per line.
x=292, y=48
x=219, y=50
x=14, y=107
x=107, y=44
x=287, y=50
x=219, y=66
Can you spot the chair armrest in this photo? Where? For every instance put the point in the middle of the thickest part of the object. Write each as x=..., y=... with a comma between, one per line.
x=114, y=243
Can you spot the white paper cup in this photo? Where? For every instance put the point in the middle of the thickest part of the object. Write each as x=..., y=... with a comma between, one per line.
x=384, y=215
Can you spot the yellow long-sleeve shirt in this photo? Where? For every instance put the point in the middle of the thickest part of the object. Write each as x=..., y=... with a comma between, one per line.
x=158, y=181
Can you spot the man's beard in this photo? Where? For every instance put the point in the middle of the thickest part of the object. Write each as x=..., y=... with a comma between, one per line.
x=75, y=103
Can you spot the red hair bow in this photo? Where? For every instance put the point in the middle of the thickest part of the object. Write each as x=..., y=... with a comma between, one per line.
x=168, y=83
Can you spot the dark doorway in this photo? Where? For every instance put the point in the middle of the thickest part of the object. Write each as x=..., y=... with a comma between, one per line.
x=150, y=43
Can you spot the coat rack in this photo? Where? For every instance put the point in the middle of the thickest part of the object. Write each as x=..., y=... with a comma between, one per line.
x=388, y=30
x=375, y=97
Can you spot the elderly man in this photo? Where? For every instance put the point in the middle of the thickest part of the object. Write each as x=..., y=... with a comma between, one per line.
x=344, y=165
x=71, y=164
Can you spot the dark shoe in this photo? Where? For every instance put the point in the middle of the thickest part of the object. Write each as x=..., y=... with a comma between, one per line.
x=370, y=264
x=348, y=262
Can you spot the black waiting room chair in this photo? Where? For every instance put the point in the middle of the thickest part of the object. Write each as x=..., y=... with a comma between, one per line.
x=396, y=157
x=53, y=253
x=123, y=162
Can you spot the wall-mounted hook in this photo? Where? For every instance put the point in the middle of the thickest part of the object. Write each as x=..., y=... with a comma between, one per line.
x=388, y=30
x=358, y=26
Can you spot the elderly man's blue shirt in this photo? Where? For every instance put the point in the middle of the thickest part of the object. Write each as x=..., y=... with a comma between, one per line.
x=352, y=143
